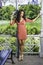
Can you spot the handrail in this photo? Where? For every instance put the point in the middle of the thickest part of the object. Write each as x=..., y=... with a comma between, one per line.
x=8, y=35
x=39, y=35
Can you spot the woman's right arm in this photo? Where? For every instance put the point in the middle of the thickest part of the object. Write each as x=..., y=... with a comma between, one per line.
x=12, y=22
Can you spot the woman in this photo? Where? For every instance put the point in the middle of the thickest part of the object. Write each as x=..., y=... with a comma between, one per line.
x=22, y=33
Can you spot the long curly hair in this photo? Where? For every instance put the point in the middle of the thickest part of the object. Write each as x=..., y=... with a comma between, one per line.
x=18, y=15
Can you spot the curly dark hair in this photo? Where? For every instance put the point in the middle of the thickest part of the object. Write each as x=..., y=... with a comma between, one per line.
x=18, y=15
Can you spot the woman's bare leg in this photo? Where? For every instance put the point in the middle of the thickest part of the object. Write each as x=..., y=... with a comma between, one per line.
x=21, y=48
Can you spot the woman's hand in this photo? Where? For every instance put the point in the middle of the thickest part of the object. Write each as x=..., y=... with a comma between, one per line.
x=36, y=18
x=12, y=22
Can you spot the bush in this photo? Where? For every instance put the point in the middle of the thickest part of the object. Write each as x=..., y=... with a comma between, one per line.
x=35, y=49
x=11, y=30
x=10, y=44
x=26, y=49
x=6, y=11
x=2, y=40
x=34, y=30
x=31, y=11
x=13, y=44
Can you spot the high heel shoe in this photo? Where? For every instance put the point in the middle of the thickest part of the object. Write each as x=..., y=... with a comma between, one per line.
x=22, y=57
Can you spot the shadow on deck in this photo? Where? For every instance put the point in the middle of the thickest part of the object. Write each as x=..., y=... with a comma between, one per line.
x=28, y=60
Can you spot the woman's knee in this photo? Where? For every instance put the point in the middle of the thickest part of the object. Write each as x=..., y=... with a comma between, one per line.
x=21, y=42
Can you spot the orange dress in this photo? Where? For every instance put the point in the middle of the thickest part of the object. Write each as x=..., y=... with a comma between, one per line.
x=22, y=33
x=21, y=28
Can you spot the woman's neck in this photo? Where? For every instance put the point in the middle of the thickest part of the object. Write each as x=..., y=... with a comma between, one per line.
x=21, y=19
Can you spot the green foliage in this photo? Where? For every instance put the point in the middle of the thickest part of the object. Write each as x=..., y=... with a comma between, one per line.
x=35, y=49
x=12, y=40
x=11, y=30
x=13, y=44
x=13, y=48
x=34, y=30
x=31, y=11
x=2, y=40
x=26, y=49
x=32, y=44
x=6, y=12
x=34, y=27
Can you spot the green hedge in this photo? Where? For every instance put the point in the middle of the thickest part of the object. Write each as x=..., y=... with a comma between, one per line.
x=12, y=43
x=31, y=11
x=6, y=11
x=32, y=28
x=12, y=30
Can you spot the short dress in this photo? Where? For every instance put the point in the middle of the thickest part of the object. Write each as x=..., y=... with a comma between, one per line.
x=22, y=33
x=21, y=29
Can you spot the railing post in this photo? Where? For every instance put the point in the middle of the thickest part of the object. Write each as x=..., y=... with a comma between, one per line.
x=41, y=38
x=17, y=48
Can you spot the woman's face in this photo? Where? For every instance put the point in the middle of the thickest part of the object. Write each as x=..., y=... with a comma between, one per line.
x=21, y=14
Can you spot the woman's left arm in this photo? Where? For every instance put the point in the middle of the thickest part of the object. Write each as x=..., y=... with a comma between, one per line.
x=37, y=17
x=28, y=20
